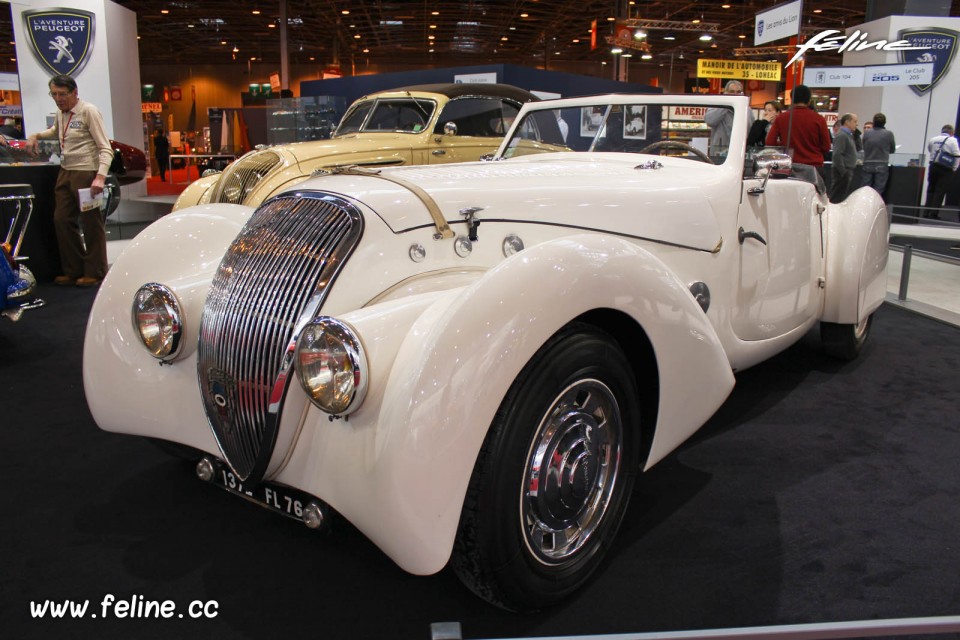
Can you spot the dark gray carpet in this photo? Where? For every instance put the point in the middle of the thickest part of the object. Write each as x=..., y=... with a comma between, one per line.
x=820, y=492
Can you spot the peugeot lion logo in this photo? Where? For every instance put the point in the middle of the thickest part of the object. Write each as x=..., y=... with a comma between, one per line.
x=62, y=46
x=760, y=28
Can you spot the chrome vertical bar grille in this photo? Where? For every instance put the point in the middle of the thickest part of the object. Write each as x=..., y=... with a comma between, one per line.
x=240, y=177
x=272, y=281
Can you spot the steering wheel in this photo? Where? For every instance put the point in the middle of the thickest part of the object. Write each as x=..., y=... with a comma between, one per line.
x=674, y=144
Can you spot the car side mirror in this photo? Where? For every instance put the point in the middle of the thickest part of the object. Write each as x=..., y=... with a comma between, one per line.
x=450, y=129
x=767, y=165
x=775, y=164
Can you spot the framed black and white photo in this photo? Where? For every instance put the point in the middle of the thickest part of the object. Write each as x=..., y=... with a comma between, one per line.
x=635, y=122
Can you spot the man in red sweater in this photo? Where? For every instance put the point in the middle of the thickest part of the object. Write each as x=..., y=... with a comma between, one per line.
x=808, y=134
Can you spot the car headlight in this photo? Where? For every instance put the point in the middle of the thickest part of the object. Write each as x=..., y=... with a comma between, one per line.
x=157, y=320
x=331, y=365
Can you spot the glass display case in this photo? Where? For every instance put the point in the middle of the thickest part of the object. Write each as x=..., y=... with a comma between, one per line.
x=303, y=119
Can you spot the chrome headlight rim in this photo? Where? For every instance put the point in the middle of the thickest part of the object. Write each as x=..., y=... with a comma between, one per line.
x=354, y=352
x=171, y=347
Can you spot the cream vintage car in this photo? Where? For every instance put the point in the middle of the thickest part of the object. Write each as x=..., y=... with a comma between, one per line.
x=474, y=363
x=424, y=124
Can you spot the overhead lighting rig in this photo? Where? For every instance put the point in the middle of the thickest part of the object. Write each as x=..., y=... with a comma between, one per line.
x=746, y=52
x=628, y=27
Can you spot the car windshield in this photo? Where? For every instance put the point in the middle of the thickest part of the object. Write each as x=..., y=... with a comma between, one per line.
x=400, y=115
x=662, y=128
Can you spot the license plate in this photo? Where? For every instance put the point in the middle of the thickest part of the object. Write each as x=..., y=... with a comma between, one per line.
x=277, y=498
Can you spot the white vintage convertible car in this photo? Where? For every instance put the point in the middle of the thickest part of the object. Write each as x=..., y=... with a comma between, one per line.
x=472, y=363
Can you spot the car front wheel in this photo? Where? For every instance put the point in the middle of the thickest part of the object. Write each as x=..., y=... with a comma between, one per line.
x=552, y=481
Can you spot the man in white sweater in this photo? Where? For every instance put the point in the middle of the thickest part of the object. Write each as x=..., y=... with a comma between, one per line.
x=86, y=156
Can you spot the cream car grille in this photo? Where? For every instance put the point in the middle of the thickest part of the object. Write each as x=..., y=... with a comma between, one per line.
x=241, y=177
x=272, y=281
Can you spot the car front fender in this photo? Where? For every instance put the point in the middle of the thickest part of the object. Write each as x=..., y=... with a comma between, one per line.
x=124, y=384
x=413, y=449
x=197, y=192
x=857, y=247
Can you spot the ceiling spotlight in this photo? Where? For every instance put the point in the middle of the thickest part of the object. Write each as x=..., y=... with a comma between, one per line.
x=235, y=49
x=706, y=37
x=725, y=6
x=681, y=55
x=818, y=10
x=356, y=36
x=255, y=12
x=366, y=50
x=345, y=12
x=627, y=55
x=742, y=37
x=616, y=51
x=647, y=56
x=695, y=21
x=670, y=37
x=524, y=15
x=639, y=34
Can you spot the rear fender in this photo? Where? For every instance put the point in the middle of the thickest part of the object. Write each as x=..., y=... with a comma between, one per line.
x=858, y=231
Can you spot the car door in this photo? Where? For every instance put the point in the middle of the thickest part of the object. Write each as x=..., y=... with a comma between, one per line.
x=481, y=124
x=781, y=258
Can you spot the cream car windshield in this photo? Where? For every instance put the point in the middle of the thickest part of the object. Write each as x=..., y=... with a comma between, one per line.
x=674, y=129
x=398, y=115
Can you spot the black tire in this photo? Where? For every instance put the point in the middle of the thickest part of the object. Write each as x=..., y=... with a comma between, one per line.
x=845, y=341
x=517, y=546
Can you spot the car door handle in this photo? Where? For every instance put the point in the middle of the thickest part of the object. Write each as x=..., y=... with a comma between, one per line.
x=439, y=152
x=743, y=235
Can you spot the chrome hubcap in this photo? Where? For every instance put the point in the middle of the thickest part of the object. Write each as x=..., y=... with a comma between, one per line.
x=571, y=470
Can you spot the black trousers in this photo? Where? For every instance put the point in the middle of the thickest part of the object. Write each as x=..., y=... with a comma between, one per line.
x=938, y=180
x=163, y=159
x=840, y=185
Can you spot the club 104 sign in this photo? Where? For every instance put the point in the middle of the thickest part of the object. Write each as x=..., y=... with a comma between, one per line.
x=871, y=76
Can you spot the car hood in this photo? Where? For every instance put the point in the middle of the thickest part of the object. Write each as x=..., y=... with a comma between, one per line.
x=597, y=192
x=382, y=147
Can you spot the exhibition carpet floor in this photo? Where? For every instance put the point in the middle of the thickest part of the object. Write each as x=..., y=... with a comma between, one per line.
x=820, y=492
x=176, y=181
